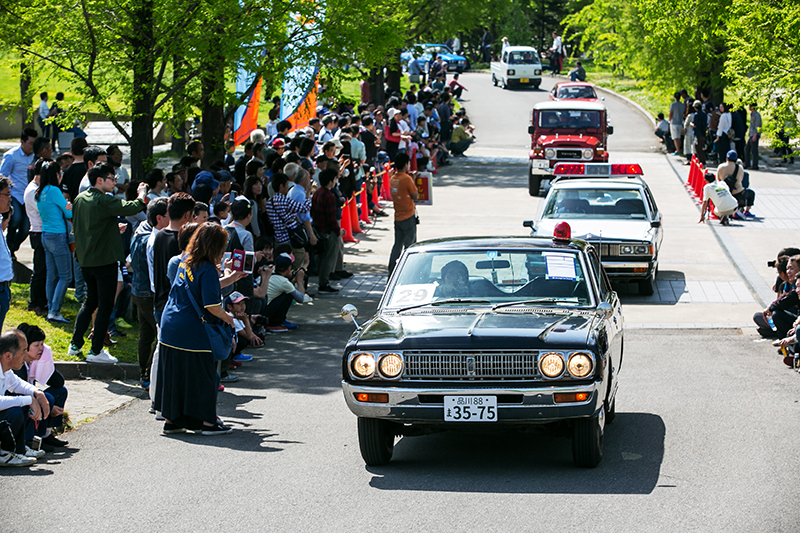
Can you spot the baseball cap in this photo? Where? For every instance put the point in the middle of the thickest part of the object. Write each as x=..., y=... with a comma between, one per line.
x=235, y=297
x=278, y=143
x=283, y=261
x=732, y=155
x=224, y=175
x=205, y=178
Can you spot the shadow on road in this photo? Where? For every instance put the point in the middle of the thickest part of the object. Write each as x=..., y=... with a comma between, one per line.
x=515, y=463
x=465, y=173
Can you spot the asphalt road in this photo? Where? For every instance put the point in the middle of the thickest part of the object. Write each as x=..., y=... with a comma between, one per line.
x=704, y=438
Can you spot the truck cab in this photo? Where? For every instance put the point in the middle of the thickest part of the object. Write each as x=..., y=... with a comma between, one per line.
x=565, y=132
x=518, y=66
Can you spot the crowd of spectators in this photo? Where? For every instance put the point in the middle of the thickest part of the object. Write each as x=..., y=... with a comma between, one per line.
x=781, y=319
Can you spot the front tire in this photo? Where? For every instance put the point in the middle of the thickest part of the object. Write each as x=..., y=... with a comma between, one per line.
x=494, y=80
x=376, y=441
x=647, y=286
x=587, y=441
x=536, y=85
x=534, y=183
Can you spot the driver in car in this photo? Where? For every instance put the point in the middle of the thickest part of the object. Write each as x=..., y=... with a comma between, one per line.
x=455, y=280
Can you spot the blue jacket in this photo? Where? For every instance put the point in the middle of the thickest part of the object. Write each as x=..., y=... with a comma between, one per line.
x=140, y=284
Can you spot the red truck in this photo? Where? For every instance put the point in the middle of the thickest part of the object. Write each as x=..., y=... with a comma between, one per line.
x=563, y=132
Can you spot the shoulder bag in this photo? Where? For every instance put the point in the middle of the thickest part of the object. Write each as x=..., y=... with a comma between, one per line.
x=220, y=336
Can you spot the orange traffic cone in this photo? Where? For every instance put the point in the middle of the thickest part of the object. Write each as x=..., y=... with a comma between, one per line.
x=351, y=204
x=413, y=160
x=712, y=215
x=386, y=190
x=364, y=205
x=688, y=183
x=347, y=225
x=375, y=199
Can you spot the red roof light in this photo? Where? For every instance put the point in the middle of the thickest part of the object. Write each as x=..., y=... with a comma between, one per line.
x=632, y=169
x=562, y=232
x=569, y=169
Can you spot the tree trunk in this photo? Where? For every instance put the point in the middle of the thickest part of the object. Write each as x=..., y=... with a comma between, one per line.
x=376, y=92
x=393, y=75
x=25, y=96
x=142, y=98
x=213, y=110
x=178, y=120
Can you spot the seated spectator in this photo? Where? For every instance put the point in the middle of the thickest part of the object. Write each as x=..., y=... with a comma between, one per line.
x=779, y=317
x=19, y=413
x=462, y=138
x=38, y=366
x=718, y=193
x=235, y=305
x=662, y=131
x=733, y=174
x=284, y=288
x=578, y=73
x=456, y=89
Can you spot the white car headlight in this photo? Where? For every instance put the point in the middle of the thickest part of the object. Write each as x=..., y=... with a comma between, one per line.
x=363, y=365
x=626, y=249
x=642, y=249
x=588, y=153
x=580, y=365
x=511, y=72
x=551, y=365
x=550, y=153
x=391, y=365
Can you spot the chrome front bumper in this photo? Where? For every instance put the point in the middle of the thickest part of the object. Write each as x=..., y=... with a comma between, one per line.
x=622, y=269
x=537, y=406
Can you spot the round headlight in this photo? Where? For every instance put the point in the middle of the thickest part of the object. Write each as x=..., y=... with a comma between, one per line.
x=588, y=153
x=549, y=153
x=641, y=249
x=626, y=249
x=391, y=365
x=551, y=365
x=580, y=365
x=364, y=365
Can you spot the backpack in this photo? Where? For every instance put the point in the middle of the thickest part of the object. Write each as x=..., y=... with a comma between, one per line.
x=746, y=180
x=730, y=181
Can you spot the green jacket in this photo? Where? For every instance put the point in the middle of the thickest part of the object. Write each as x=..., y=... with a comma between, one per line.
x=94, y=219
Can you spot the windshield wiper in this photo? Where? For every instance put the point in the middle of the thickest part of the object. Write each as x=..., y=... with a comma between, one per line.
x=534, y=301
x=446, y=301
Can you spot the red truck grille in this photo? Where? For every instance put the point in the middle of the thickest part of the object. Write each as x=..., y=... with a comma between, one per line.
x=568, y=154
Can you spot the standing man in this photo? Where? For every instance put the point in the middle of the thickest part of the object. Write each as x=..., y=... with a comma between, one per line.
x=6, y=265
x=99, y=250
x=38, y=301
x=404, y=193
x=556, y=54
x=700, y=125
x=676, y=110
x=44, y=112
x=445, y=112
x=753, y=135
x=323, y=213
x=15, y=167
x=486, y=44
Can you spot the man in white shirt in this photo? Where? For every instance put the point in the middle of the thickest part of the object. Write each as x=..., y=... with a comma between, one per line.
x=718, y=193
x=16, y=412
x=44, y=112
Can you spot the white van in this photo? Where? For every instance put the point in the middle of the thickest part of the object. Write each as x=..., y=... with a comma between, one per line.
x=518, y=65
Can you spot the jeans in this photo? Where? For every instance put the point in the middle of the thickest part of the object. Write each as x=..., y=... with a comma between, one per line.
x=18, y=226
x=59, y=269
x=783, y=320
x=39, y=275
x=460, y=147
x=5, y=302
x=147, y=334
x=32, y=430
x=101, y=288
x=751, y=153
x=405, y=234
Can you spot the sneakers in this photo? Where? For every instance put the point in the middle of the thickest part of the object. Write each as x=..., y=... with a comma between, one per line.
x=172, y=429
x=229, y=378
x=102, y=357
x=328, y=288
x=277, y=329
x=30, y=452
x=343, y=274
x=120, y=322
x=57, y=318
x=242, y=358
x=55, y=442
x=15, y=459
x=307, y=299
x=74, y=350
x=217, y=429
x=748, y=214
x=289, y=325
x=737, y=216
x=234, y=365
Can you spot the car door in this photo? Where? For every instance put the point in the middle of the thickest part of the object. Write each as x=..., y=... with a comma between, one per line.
x=655, y=217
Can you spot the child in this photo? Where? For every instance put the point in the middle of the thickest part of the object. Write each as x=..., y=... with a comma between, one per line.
x=235, y=304
x=222, y=211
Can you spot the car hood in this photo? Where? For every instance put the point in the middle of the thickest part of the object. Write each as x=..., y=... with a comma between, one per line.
x=501, y=329
x=589, y=230
x=565, y=140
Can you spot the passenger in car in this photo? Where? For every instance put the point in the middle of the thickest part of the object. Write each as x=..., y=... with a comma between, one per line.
x=455, y=281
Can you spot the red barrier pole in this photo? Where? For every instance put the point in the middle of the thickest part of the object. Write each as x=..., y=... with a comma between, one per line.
x=364, y=205
x=347, y=225
x=354, y=226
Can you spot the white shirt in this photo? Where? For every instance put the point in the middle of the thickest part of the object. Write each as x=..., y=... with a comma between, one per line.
x=403, y=130
x=717, y=192
x=557, y=46
x=9, y=381
x=30, y=207
x=43, y=109
x=123, y=178
x=724, y=124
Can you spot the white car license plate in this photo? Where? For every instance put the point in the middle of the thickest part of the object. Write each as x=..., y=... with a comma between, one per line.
x=524, y=80
x=540, y=163
x=470, y=408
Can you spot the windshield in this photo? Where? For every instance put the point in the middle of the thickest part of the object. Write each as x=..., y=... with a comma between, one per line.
x=569, y=119
x=491, y=277
x=439, y=49
x=523, y=58
x=622, y=204
x=571, y=93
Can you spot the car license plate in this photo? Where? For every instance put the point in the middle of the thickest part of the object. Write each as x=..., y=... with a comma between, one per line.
x=524, y=80
x=540, y=163
x=470, y=408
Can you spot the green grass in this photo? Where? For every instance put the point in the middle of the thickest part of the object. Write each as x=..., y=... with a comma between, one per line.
x=60, y=335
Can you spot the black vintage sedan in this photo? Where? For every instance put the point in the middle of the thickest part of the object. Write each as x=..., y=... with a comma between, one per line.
x=484, y=333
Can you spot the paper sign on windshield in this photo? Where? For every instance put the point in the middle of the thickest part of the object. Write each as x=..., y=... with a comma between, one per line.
x=413, y=294
x=560, y=266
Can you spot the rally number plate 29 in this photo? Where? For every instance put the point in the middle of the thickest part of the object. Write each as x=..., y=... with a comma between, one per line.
x=470, y=408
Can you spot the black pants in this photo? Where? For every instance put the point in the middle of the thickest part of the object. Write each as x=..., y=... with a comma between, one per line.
x=14, y=422
x=457, y=92
x=147, y=334
x=39, y=276
x=277, y=309
x=783, y=320
x=101, y=288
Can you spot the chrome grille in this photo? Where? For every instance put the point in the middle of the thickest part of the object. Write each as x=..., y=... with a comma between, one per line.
x=444, y=364
x=568, y=154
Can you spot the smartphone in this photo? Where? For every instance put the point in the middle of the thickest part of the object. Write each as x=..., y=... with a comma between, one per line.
x=238, y=260
x=225, y=258
x=249, y=262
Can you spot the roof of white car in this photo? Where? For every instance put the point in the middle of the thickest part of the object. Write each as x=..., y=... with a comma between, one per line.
x=520, y=49
x=598, y=183
x=577, y=105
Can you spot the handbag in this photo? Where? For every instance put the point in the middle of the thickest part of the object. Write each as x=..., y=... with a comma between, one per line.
x=298, y=236
x=220, y=336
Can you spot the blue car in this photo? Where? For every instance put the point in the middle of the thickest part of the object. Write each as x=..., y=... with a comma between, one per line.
x=420, y=55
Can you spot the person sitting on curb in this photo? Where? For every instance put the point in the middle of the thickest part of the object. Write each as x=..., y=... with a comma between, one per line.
x=284, y=288
x=462, y=138
x=39, y=366
x=234, y=304
x=18, y=413
x=777, y=319
x=724, y=202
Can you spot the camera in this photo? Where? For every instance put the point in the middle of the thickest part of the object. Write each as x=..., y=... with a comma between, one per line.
x=771, y=264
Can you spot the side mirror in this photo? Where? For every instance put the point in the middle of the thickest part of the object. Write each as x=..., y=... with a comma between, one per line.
x=655, y=224
x=527, y=224
x=349, y=314
x=531, y=130
x=610, y=130
x=604, y=309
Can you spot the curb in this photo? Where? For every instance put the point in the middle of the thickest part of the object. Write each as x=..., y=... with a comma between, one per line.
x=630, y=103
x=81, y=370
x=758, y=287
